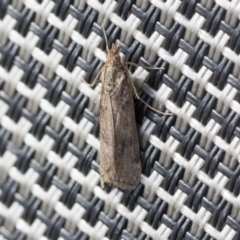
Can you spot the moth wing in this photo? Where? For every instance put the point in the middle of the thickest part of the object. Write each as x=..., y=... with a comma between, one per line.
x=107, y=137
x=127, y=157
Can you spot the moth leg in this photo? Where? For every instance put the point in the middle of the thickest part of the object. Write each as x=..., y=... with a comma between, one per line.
x=138, y=97
x=138, y=65
x=96, y=78
x=102, y=184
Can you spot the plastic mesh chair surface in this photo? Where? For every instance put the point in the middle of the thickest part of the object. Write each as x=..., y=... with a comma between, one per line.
x=49, y=119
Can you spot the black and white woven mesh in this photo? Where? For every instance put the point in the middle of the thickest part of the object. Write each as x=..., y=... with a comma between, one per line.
x=49, y=119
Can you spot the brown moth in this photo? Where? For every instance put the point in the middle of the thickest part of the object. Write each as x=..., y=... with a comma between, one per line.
x=119, y=151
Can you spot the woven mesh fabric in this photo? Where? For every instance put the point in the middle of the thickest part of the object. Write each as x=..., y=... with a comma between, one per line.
x=49, y=119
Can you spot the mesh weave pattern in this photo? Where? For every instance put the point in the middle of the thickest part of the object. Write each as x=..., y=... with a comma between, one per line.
x=49, y=125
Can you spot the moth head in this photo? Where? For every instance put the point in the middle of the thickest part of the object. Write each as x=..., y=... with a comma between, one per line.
x=114, y=51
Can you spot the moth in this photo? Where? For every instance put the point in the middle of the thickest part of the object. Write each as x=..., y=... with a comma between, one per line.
x=119, y=145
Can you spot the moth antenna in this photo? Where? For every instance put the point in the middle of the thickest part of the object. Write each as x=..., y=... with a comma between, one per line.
x=105, y=36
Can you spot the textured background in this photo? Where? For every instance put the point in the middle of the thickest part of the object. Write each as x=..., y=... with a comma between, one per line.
x=49, y=125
